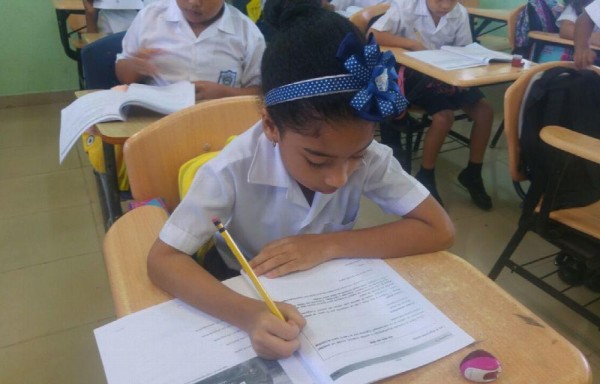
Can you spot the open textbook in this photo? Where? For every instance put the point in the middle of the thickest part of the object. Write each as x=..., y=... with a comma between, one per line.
x=112, y=104
x=472, y=55
x=364, y=323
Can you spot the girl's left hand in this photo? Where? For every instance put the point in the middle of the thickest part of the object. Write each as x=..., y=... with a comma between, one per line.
x=290, y=254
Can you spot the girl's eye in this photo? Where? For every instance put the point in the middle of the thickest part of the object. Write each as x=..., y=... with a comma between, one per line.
x=316, y=165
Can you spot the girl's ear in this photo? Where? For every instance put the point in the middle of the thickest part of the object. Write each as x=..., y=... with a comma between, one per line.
x=269, y=128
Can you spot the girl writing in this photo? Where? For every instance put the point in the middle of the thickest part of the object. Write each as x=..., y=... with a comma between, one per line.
x=289, y=188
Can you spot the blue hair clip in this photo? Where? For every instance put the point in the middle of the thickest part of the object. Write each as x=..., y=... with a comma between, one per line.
x=371, y=73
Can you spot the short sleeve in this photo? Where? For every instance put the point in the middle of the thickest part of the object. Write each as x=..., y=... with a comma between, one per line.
x=131, y=42
x=463, y=32
x=389, y=21
x=593, y=10
x=255, y=48
x=567, y=15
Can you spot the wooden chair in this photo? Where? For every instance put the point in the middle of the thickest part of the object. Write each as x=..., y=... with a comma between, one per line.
x=367, y=16
x=153, y=157
x=579, y=228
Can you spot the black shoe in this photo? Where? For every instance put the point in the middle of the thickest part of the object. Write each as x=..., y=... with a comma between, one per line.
x=429, y=183
x=476, y=189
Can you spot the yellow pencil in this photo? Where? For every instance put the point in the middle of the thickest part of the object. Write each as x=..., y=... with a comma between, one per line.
x=419, y=38
x=242, y=260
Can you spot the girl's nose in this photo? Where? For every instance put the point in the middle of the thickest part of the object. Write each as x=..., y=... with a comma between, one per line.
x=338, y=176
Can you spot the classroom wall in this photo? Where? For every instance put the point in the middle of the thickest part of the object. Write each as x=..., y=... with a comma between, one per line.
x=31, y=57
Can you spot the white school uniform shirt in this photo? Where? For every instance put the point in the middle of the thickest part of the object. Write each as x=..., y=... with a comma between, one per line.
x=406, y=16
x=227, y=52
x=117, y=20
x=593, y=10
x=249, y=189
x=569, y=14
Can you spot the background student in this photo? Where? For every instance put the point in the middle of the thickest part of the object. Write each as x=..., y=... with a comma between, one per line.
x=289, y=188
x=207, y=42
x=584, y=27
x=429, y=24
x=108, y=20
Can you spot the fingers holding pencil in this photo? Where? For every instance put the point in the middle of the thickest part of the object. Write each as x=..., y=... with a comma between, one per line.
x=274, y=339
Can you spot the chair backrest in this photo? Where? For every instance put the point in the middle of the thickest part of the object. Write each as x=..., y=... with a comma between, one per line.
x=98, y=61
x=363, y=18
x=153, y=155
x=511, y=25
x=513, y=98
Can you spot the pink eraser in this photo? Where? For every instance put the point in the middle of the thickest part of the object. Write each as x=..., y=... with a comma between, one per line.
x=480, y=366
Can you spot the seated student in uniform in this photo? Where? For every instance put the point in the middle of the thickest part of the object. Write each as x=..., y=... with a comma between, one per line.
x=429, y=24
x=107, y=20
x=584, y=27
x=289, y=188
x=207, y=42
x=566, y=21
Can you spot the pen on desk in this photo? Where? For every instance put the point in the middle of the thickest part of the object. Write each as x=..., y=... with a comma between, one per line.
x=244, y=263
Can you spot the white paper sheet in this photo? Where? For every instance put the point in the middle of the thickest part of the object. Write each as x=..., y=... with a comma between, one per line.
x=364, y=321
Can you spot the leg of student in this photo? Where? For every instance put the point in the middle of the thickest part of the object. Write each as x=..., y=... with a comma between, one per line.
x=482, y=115
x=441, y=123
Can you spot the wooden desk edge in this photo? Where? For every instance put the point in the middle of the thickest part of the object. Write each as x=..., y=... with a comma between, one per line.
x=554, y=38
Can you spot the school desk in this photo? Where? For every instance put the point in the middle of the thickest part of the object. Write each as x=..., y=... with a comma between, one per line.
x=540, y=38
x=489, y=74
x=529, y=350
x=502, y=17
x=65, y=8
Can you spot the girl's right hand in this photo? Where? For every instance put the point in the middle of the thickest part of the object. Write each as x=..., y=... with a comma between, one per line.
x=272, y=338
x=583, y=58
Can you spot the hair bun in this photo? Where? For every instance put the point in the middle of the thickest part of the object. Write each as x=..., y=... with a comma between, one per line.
x=280, y=14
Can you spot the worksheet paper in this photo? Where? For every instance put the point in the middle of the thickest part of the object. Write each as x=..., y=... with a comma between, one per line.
x=364, y=323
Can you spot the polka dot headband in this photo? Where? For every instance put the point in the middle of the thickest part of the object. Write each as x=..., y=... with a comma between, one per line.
x=372, y=76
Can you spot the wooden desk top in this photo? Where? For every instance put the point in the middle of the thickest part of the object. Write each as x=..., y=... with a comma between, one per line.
x=554, y=38
x=68, y=5
x=528, y=349
x=467, y=77
x=493, y=14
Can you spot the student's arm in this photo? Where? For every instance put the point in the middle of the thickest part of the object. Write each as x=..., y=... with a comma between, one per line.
x=179, y=275
x=391, y=40
x=137, y=69
x=208, y=90
x=567, y=30
x=91, y=16
x=584, y=55
x=427, y=228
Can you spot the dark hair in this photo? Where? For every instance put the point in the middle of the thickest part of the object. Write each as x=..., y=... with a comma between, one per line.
x=303, y=47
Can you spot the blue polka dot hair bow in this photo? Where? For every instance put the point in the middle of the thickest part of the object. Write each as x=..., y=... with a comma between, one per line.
x=371, y=75
x=380, y=96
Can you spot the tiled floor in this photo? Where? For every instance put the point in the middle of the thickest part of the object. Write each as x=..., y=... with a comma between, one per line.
x=53, y=285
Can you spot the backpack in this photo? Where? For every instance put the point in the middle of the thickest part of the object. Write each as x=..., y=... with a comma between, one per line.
x=538, y=15
x=569, y=98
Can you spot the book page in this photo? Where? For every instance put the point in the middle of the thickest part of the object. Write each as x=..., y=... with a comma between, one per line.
x=364, y=321
x=164, y=99
x=175, y=343
x=118, y=4
x=112, y=104
x=444, y=59
x=86, y=111
x=479, y=52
